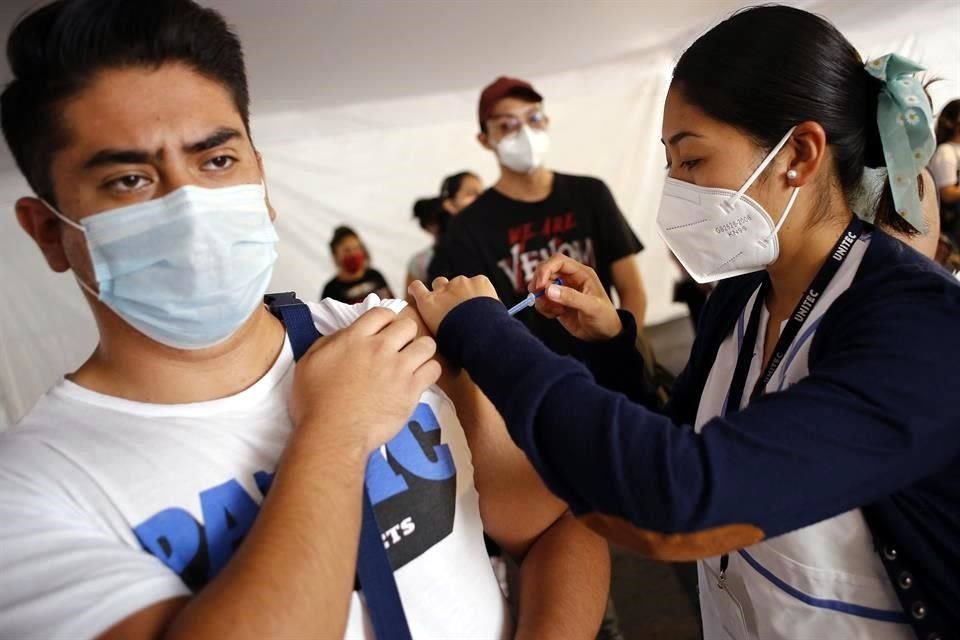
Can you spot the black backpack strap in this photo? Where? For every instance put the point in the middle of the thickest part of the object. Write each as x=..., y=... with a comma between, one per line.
x=296, y=317
x=374, y=572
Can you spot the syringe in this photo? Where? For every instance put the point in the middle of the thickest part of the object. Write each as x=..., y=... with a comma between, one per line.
x=530, y=300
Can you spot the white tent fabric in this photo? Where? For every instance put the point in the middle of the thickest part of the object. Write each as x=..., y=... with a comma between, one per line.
x=364, y=164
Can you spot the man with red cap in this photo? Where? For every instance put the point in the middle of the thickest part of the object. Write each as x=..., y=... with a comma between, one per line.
x=532, y=212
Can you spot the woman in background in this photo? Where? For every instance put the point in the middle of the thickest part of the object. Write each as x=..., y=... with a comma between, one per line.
x=457, y=192
x=945, y=167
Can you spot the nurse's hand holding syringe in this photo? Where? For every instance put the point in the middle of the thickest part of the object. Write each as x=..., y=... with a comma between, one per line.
x=580, y=304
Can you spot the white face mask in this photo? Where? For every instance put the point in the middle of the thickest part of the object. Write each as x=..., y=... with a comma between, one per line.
x=188, y=269
x=720, y=233
x=524, y=150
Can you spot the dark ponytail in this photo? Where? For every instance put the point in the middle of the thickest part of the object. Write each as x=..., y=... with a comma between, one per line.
x=766, y=69
x=430, y=211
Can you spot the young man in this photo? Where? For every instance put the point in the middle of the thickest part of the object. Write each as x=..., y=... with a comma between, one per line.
x=188, y=480
x=532, y=213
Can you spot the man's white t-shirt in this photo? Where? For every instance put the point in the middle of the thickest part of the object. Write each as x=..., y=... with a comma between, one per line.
x=109, y=505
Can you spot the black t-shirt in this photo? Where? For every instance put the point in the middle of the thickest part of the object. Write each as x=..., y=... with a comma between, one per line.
x=505, y=240
x=356, y=291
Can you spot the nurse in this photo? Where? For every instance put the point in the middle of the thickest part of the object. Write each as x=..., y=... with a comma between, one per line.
x=809, y=458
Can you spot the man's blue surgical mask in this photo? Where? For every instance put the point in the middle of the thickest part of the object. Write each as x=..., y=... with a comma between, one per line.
x=186, y=270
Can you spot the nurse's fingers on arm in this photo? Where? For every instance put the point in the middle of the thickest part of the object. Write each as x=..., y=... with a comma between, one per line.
x=439, y=283
x=419, y=291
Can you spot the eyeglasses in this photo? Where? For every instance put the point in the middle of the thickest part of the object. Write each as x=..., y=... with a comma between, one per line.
x=505, y=124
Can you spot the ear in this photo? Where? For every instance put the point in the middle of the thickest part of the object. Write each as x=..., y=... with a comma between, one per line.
x=266, y=192
x=46, y=230
x=809, y=147
x=484, y=140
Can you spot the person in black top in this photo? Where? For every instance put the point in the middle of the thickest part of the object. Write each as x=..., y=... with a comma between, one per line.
x=457, y=192
x=532, y=213
x=355, y=278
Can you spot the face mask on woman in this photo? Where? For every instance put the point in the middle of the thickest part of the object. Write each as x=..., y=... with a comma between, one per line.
x=353, y=262
x=719, y=233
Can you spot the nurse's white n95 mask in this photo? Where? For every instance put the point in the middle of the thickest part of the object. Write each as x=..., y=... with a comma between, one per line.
x=719, y=233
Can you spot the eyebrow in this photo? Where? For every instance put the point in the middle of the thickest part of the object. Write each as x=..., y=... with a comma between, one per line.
x=139, y=156
x=215, y=139
x=116, y=156
x=677, y=137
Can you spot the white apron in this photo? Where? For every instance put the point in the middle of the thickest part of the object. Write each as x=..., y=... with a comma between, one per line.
x=822, y=582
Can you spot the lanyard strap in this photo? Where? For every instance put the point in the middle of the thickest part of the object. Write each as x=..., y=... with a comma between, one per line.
x=799, y=316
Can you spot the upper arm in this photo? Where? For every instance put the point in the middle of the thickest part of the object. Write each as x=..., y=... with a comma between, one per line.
x=627, y=278
x=150, y=622
x=515, y=505
x=618, y=238
x=629, y=284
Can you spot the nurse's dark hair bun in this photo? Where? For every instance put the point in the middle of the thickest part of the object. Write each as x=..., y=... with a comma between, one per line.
x=766, y=69
x=873, y=150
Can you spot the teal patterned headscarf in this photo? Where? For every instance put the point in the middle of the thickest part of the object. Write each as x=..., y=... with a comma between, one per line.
x=905, y=121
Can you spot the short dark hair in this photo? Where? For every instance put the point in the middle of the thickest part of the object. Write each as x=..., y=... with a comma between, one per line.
x=55, y=51
x=768, y=68
x=340, y=234
x=948, y=121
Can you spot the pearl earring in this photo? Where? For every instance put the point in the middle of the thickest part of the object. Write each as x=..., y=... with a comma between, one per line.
x=792, y=174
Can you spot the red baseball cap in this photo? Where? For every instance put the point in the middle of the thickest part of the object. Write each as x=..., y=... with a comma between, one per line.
x=504, y=87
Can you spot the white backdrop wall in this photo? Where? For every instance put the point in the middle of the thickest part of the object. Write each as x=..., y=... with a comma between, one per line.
x=369, y=174
x=364, y=164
